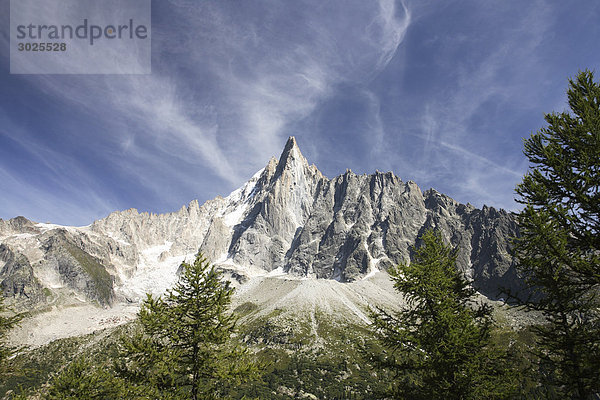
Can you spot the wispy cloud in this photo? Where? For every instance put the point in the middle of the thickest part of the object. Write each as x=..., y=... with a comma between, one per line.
x=480, y=159
x=225, y=90
x=438, y=93
x=65, y=204
x=452, y=125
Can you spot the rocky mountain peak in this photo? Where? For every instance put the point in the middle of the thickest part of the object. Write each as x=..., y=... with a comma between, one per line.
x=292, y=161
x=16, y=225
x=267, y=173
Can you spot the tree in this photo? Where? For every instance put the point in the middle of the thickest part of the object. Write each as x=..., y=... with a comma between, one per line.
x=440, y=344
x=81, y=380
x=87, y=378
x=8, y=320
x=558, y=253
x=183, y=346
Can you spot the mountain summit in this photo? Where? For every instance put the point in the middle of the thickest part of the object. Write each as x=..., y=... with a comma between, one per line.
x=288, y=219
x=297, y=221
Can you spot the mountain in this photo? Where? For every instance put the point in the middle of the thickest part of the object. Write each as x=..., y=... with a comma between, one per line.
x=293, y=219
x=287, y=222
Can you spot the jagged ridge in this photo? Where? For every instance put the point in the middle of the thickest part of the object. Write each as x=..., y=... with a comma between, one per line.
x=287, y=219
x=345, y=228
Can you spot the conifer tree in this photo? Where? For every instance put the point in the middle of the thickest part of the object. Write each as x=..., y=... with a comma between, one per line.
x=86, y=378
x=440, y=343
x=8, y=320
x=558, y=252
x=184, y=344
x=81, y=380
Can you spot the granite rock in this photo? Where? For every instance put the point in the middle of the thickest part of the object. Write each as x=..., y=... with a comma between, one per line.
x=287, y=219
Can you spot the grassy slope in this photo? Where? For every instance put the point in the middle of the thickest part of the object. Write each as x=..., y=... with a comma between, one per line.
x=310, y=350
x=309, y=355
x=329, y=366
x=95, y=270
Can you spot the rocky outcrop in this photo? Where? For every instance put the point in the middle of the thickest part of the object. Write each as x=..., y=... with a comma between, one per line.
x=78, y=269
x=17, y=280
x=17, y=225
x=281, y=202
x=133, y=231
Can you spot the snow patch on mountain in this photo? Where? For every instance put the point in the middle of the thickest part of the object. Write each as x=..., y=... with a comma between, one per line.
x=48, y=227
x=237, y=202
x=156, y=272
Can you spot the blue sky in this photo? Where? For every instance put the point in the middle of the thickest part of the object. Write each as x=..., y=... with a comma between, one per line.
x=439, y=92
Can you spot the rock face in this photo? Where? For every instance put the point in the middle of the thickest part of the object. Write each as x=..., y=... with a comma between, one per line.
x=17, y=280
x=59, y=261
x=78, y=269
x=302, y=223
x=287, y=219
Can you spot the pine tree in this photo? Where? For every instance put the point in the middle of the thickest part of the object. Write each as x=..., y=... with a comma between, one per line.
x=440, y=344
x=184, y=344
x=558, y=252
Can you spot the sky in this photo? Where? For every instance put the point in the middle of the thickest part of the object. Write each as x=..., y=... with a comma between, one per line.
x=439, y=92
